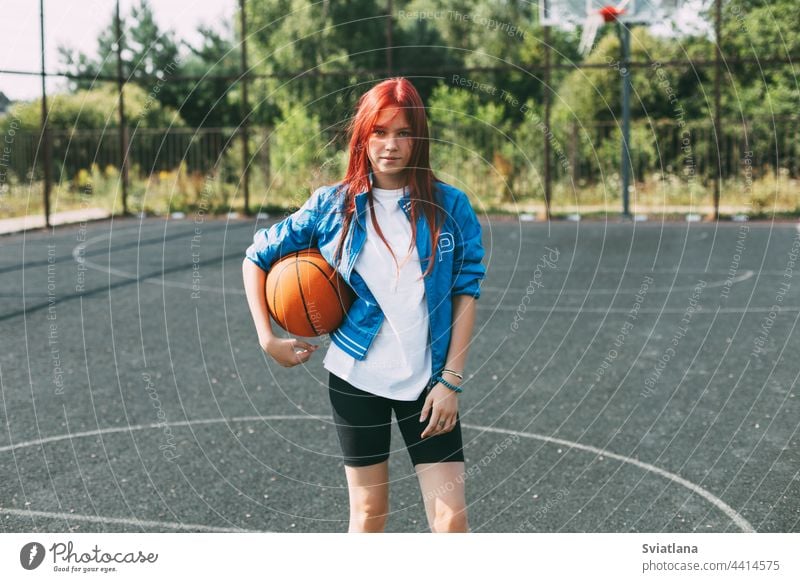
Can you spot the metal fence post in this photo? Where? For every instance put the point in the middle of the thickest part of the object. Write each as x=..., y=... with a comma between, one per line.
x=625, y=166
x=123, y=124
x=717, y=121
x=45, y=131
x=267, y=154
x=245, y=133
x=548, y=178
x=389, y=23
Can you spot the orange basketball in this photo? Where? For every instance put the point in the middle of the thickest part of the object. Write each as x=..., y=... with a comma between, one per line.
x=305, y=295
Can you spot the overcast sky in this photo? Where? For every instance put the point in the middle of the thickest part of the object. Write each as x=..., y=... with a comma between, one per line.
x=77, y=23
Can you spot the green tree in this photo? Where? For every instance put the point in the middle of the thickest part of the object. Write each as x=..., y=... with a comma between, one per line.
x=470, y=140
x=92, y=109
x=761, y=31
x=147, y=52
x=298, y=39
x=215, y=100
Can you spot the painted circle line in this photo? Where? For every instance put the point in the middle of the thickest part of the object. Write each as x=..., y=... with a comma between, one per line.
x=81, y=247
x=731, y=513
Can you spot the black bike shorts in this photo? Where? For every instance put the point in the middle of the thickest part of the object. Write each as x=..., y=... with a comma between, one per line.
x=364, y=421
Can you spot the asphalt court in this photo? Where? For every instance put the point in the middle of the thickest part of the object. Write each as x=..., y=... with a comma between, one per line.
x=623, y=377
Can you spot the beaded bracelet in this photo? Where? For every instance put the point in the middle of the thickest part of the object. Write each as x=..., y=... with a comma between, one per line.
x=448, y=384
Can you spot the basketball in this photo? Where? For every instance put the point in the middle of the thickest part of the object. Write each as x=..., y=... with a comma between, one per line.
x=305, y=295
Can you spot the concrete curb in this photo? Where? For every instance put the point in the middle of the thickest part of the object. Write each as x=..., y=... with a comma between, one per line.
x=35, y=222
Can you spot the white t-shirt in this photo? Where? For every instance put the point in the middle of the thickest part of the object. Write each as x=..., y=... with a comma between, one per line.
x=398, y=362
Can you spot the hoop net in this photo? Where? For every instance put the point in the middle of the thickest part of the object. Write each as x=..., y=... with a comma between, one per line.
x=595, y=20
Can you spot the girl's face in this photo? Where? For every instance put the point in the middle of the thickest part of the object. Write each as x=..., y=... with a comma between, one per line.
x=389, y=148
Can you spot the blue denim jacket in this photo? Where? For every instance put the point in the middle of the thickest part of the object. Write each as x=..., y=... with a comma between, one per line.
x=458, y=269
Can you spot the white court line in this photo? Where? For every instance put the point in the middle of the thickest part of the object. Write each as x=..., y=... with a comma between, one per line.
x=740, y=521
x=655, y=289
x=122, y=521
x=112, y=430
x=81, y=247
x=654, y=310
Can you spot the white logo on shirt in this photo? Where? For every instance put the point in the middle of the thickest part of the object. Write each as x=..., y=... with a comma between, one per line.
x=446, y=244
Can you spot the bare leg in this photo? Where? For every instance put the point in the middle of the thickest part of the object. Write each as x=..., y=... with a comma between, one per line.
x=442, y=486
x=368, y=489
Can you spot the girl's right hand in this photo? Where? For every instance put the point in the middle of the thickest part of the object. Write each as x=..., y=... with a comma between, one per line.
x=289, y=352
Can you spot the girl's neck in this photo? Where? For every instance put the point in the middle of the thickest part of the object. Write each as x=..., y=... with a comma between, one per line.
x=391, y=182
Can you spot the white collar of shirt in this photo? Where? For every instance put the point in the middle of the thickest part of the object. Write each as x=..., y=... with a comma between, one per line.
x=384, y=195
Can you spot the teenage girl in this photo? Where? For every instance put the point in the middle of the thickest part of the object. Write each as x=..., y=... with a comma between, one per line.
x=389, y=161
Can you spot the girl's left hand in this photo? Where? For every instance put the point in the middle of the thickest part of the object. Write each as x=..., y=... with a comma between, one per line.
x=442, y=406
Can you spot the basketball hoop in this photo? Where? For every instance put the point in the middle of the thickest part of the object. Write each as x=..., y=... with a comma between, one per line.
x=589, y=16
x=610, y=13
x=595, y=20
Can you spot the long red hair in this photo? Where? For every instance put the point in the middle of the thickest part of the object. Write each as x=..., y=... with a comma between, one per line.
x=394, y=92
